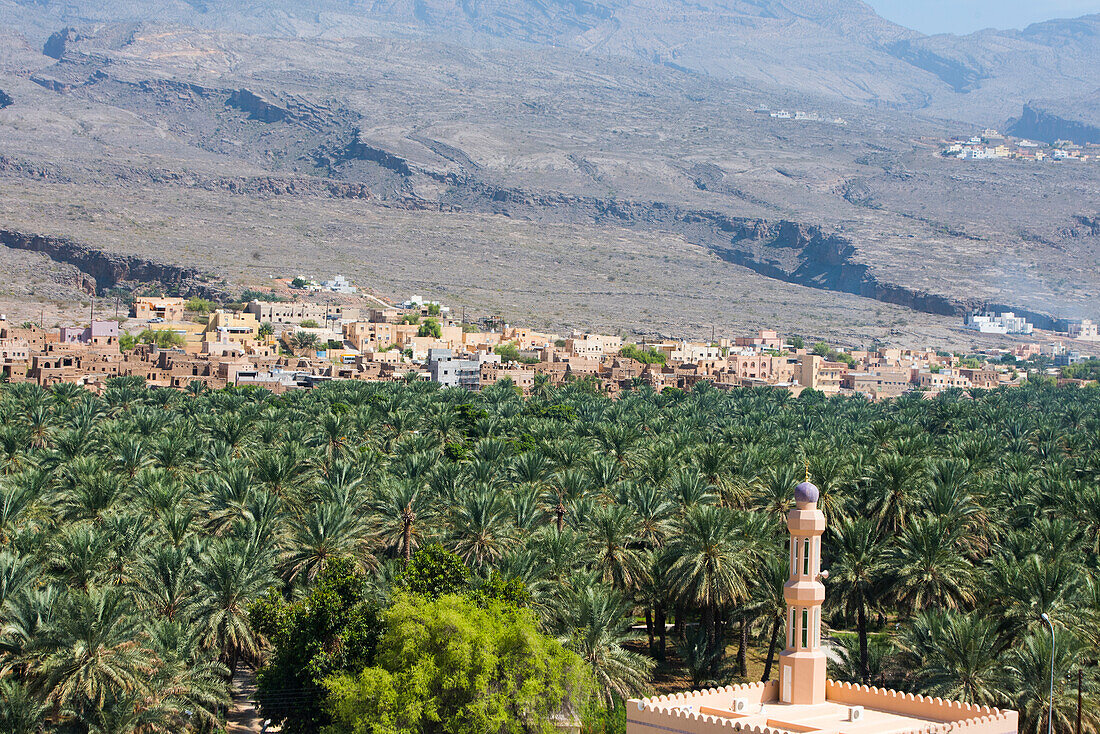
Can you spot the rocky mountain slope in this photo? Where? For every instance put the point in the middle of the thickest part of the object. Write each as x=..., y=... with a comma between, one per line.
x=499, y=122
x=835, y=47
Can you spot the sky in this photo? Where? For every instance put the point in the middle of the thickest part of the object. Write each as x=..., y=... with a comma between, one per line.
x=965, y=16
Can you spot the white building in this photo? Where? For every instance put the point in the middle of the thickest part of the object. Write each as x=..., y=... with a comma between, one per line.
x=339, y=284
x=692, y=352
x=992, y=323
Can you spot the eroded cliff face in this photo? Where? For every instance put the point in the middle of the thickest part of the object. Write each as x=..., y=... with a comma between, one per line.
x=57, y=42
x=1039, y=124
x=791, y=251
x=104, y=270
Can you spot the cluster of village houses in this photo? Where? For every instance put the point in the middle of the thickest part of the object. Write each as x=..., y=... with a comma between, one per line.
x=991, y=144
x=284, y=345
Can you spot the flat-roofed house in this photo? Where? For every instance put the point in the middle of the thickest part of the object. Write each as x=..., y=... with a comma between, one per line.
x=150, y=307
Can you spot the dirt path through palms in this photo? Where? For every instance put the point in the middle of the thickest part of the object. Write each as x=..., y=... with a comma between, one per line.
x=244, y=718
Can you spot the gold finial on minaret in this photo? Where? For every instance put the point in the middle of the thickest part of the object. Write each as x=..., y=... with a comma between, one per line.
x=807, y=470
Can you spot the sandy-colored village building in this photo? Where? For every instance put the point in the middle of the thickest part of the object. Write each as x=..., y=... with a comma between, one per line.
x=803, y=700
x=817, y=373
x=150, y=307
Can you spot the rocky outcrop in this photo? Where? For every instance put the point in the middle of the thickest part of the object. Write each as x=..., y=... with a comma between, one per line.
x=58, y=41
x=271, y=110
x=5, y=99
x=1037, y=123
x=257, y=107
x=108, y=270
x=359, y=149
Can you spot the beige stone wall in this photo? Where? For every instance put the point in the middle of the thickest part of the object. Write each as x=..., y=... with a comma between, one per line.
x=964, y=716
x=683, y=713
x=687, y=713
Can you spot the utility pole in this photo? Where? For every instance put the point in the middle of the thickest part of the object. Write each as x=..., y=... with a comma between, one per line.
x=116, y=305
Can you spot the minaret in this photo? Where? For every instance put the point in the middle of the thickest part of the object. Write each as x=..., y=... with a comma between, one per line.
x=802, y=664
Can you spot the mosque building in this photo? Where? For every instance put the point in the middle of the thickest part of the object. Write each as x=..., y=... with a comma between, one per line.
x=803, y=699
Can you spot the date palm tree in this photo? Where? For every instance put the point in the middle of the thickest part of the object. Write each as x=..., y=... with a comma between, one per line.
x=231, y=577
x=928, y=567
x=957, y=656
x=767, y=603
x=480, y=531
x=394, y=512
x=856, y=576
x=614, y=538
x=710, y=567
x=20, y=711
x=165, y=581
x=594, y=622
x=91, y=651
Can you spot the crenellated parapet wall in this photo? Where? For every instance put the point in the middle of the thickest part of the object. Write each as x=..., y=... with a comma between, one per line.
x=686, y=713
x=721, y=698
x=710, y=711
x=959, y=716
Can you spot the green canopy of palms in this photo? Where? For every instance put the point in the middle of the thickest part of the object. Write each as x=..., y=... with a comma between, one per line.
x=710, y=565
x=145, y=533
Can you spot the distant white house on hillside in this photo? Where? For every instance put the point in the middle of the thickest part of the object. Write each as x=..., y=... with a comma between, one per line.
x=993, y=323
x=339, y=284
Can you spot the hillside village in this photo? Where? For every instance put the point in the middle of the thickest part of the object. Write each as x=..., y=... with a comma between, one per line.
x=991, y=144
x=304, y=338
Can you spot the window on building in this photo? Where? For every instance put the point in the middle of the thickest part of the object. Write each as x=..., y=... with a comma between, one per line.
x=791, y=634
x=805, y=627
x=806, y=558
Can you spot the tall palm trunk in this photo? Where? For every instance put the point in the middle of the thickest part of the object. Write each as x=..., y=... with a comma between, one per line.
x=408, y=516
x=659, y=614
x=649, y=630
x=711, y=626
x=560, y=512
x=771, y=652
x=742, y=650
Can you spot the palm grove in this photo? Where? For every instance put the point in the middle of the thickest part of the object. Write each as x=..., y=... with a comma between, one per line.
x=346, y=541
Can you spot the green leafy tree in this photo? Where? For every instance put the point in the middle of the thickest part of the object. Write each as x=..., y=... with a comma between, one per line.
x=646, y=356
x=430, y=327
x=447, y=664
x=200, y=305
x=434, y=571
x=334, y=629
x=162, y=338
